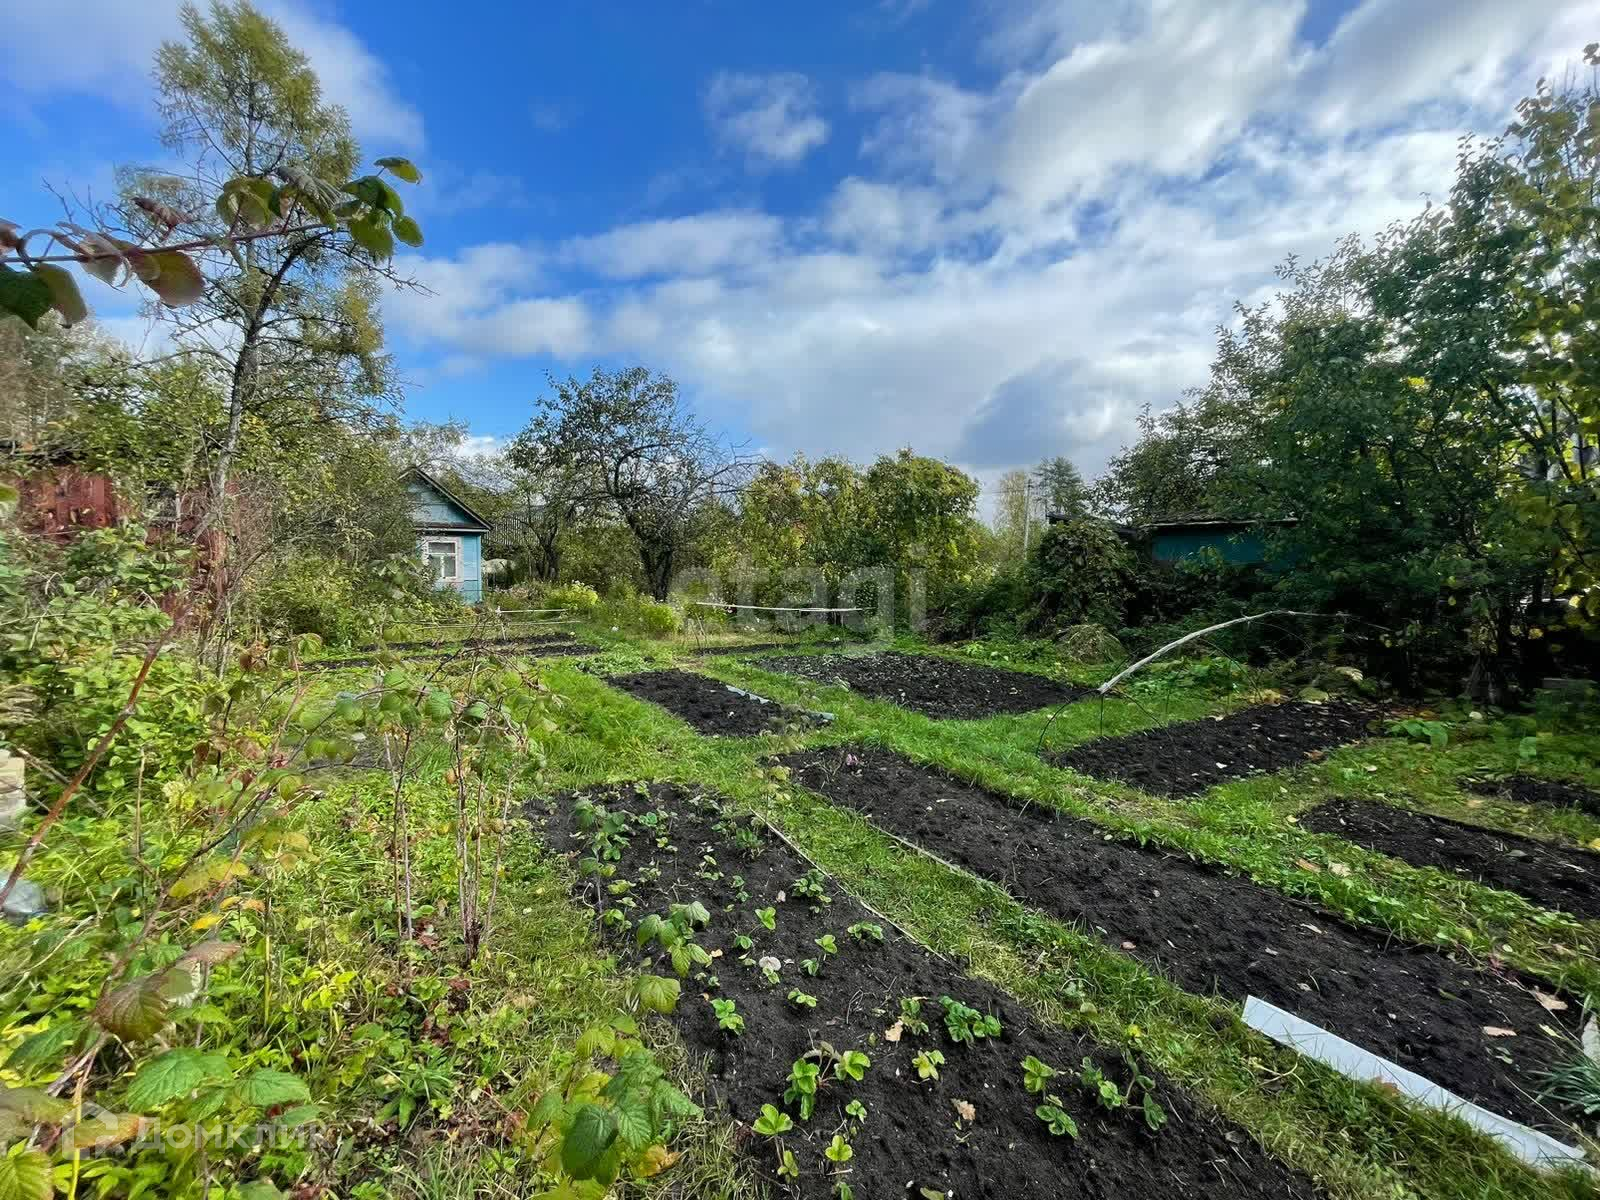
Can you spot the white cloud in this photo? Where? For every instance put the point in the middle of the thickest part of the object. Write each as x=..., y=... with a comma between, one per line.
x=772, y=119
x=683, y=245
x=1013, y=271
x=107, y=47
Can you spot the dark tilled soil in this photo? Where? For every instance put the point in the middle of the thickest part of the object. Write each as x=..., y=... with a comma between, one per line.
x=539, y=647
x=1525, y=789
x=1549, y=875
x=1192, y=756
x=707, y=704
x=935, y=687
x=1214, y=932
x=911, y=1137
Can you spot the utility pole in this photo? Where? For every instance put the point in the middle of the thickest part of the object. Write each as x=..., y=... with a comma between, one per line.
x=1027, y=512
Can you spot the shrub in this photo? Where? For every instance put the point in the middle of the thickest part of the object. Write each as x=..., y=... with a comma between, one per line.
x=627, y=609
x=1079, y=575
x=579, y=597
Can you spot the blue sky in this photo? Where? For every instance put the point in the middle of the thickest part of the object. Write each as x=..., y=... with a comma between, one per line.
x=990, y=230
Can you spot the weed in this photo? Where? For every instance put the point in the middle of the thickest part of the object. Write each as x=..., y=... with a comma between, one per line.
x=1434, y=733
x=866, y=931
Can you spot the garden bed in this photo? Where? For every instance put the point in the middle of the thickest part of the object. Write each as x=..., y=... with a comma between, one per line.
x=909, y=1135
x=1550, y=875
x=709, y=705
x=1526, y=789
x=1191, y=757
x=1212, y=932
x=933, y=686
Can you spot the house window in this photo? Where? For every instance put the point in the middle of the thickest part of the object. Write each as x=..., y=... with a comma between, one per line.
x=444, y=559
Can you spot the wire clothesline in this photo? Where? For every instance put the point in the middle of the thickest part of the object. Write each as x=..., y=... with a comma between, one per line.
x=772, y=607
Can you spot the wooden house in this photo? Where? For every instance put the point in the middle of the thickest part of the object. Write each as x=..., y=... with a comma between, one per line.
x=449, y=535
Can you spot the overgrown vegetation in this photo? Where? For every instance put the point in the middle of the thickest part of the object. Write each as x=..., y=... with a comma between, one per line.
x=278, y=929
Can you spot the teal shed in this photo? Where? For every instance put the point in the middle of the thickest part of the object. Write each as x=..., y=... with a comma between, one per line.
x=1241, y=542
x=449, y=535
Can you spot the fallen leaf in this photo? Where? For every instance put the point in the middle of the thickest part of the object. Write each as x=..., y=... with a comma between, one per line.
x=892, y=1034
x=1498, y=1031
x=965, y=1110
x=1550, y=1003
x=1305, y=864
x=1591, y=1040
x=1339, y=869
x=1129, y=946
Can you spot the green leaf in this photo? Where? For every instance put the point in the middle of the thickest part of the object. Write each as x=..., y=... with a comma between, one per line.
x=133, y=1011
x=658, y=993
x=401, y=168
x=259, y=1189
x=24, y=295
x=634, y=1123
x=372, y=234
x=65, y=297
x=375, y=191
x=33, y=1106
x=588, y=1136
x=26, y=1176
x=408, y=231
x=173, y=1074
x=47, y=1047
x=264, y=1087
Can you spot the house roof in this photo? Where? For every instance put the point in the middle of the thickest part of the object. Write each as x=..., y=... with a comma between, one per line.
x=1211, y=521
x=474, y=522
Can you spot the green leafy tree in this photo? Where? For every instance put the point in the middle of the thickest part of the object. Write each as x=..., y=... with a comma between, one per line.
x=1014, y=516
x=629, y=443
x=260, y=248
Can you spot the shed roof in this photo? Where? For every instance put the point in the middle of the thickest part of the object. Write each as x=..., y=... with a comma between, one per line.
x=1211, y=521
x=473, y=523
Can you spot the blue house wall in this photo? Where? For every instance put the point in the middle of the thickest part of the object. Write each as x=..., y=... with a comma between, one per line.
x=437, y=515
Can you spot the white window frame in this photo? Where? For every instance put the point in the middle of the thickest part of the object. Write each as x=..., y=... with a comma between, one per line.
x=431, y=540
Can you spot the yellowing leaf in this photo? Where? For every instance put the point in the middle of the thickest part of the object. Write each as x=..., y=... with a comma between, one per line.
x=401, y=168
x=177, y=281
x=209, y=921
x=65, y=297
x=655, y=1160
